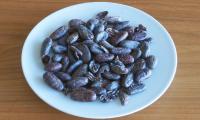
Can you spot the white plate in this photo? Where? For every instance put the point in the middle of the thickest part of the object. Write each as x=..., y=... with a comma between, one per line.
x=162, y=47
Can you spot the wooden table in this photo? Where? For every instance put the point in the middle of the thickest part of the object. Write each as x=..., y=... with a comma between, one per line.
x=180, y=17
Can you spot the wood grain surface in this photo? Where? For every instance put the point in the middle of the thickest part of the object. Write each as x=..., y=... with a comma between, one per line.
x=180, y=17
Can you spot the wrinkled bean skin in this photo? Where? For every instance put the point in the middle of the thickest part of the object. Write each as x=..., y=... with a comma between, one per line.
x=117, y=62
x=123, y=97
x=75, y=23
x=72, y=38
x=112, y=86
x=65, y=63
x=99, y=90
x=139, y=64
x=59, y=48
x=53, y=67
x=119, y=37
x=76, y=51
x=53, y=81
x=143, y=74
x=83, y=95
x=74, y=66
x=77, y=82
x=105, y=98
x=129, y=44
x=136, y=53
x=91, y=24
x=134, y=89
x=102, y=15
x=91, y=77
x=103, y=68
x=86, y=57
x=63, y=76
x=101, y=36
x=80, y=71
x=120, y=50
x=151, y=62
x=85, y=33
x=60, y=32
x=121, y=25
x=119, y=69
x=111, y=76
x=111, y=32
x=104, y=57
x=57, y=57
x=94, y=67
x=126, y=58
x=127, y=80
x=45, y=50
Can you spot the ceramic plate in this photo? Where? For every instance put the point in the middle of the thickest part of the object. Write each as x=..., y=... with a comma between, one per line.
x=162, y=47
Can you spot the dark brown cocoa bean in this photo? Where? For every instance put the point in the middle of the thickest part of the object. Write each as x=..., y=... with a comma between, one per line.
x=91, y=24
x=85, y=33
x=104, y=57
x=135, y=88
x=119, y=37
x=143, y=74
x=86, y=57
x=112, y=86
x=120, y=50
x=63, y=76
x=59, y=48
x=120, y=25
x=77, y=82
x=136, y=53
x=102, y=14
x=126, y=58
x=127, y=80
x=151, y=62
x=83, y=95
x=111, y=76
x=53, y=81
x=139, y=65
x=75, y=23
x=57, y=57
x=60, y=32
x=123, y=97
x=80, y=71
x=94, y=67
x=74, y=66
x=65, y=63
x=72, y=38
x=53, y=67
x=129, y=44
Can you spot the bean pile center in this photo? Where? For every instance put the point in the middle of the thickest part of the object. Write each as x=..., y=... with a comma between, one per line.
x=102, y=59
